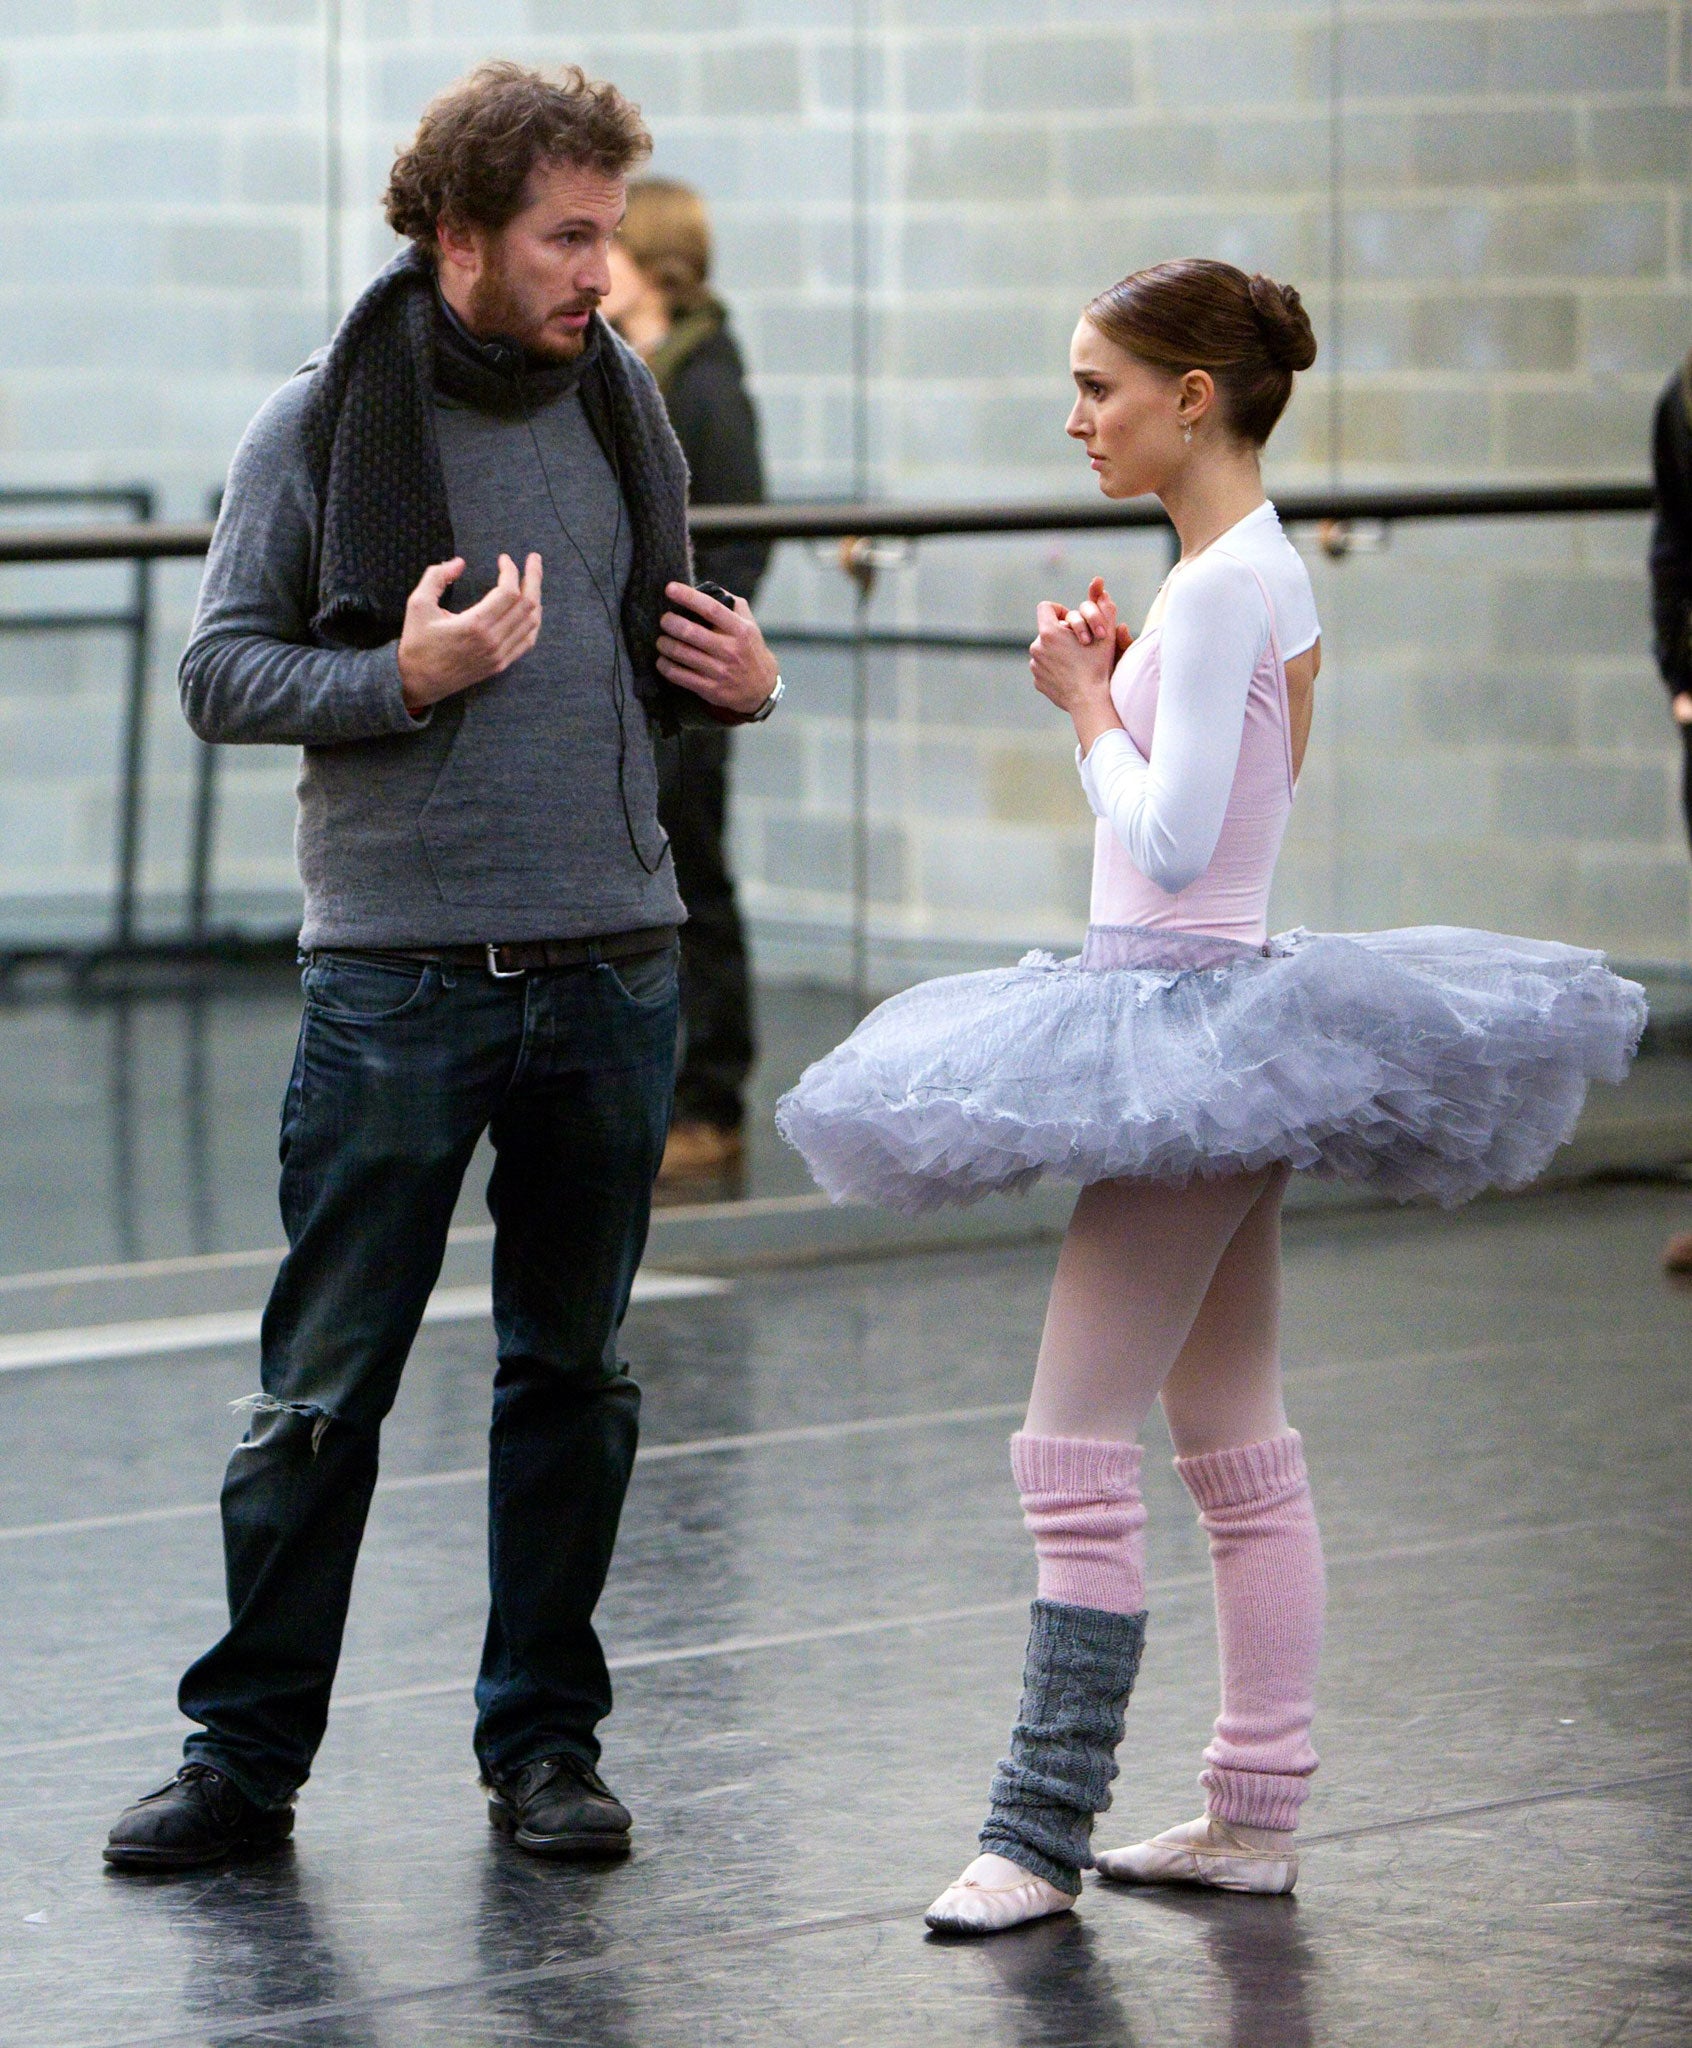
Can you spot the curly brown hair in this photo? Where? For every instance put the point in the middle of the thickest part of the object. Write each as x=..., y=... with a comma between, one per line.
x=478, y=141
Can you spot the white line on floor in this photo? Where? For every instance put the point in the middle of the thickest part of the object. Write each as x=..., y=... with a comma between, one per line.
x=1171, y=1583
x=831, y=1432
x=650, y=1454
x=463, y=1233
x=742, y=1646
x=634, y=1660
x=136, y=1518
x=35, y=1350
x=139, y=1269
x=474, y=1475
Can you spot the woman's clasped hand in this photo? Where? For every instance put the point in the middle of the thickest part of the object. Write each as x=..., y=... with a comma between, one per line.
x=1073, y=655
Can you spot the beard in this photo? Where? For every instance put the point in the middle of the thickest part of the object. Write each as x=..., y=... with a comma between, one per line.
x=497, y=306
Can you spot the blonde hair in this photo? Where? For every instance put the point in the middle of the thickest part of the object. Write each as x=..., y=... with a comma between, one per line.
x=668, y=233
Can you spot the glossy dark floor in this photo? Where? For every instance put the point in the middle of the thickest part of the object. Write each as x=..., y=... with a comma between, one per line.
x=817, y=1614
x=143, y=1126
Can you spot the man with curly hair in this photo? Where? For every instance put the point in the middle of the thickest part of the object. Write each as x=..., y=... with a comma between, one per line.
x=489, y=936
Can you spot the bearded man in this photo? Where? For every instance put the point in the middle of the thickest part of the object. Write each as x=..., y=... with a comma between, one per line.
x=489, y=936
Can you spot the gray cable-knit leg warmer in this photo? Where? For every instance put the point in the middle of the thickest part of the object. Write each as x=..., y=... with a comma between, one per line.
x=1075, y=1686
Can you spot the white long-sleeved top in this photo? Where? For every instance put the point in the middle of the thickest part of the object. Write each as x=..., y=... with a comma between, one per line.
x=1193, y=795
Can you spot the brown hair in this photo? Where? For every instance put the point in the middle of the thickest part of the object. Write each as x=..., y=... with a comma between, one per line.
x=479, y=140
x=1250, y=333
x=668, y=233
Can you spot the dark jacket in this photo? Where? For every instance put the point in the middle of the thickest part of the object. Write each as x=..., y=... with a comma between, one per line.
x=1671, y=533
x=703, y=380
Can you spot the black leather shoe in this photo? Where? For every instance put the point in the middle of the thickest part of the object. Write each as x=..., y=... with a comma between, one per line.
x=199, y=1818
x=559, y=1806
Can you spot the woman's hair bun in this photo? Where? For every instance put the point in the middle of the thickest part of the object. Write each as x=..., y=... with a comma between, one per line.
x=1287, y=332
x=1195, y=313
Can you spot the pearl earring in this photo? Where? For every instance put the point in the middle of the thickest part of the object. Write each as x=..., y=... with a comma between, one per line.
x=1187, y=432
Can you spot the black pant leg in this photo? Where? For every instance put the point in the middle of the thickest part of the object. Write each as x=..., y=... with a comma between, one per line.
x=394, y=1078
x=578, y=1141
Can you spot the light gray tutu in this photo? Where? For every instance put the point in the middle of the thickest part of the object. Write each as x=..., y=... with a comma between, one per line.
x=1432, y=1061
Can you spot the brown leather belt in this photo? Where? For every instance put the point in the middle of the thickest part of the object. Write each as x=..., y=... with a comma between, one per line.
x=505, y=963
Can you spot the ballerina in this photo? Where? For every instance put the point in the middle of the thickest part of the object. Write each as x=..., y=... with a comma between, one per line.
x=1180, y=1069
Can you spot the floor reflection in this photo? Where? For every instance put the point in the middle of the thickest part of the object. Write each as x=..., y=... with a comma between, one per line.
x=141, y=1123
x=1058, y=1990
x=121, y=1132
x=784, y=1796
x=1262, y=1956
x=531, y=1914
x=199, y=1183
x=255, y=1943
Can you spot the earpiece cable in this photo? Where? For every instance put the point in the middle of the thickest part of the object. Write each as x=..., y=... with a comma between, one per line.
x=618, y=693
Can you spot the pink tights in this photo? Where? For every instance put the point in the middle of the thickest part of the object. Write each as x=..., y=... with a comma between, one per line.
x=1174, y=1294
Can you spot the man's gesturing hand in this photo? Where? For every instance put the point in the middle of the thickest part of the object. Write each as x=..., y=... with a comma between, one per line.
x=724, y=659
x=442, y=652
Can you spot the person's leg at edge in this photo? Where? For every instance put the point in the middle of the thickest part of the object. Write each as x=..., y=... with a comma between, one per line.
x=1677, y=1253
x=394, y=1073
x=1244, y=1468
x=1135, y=1269
x=716, y=989
x=1686, y=778
x=579, y=1140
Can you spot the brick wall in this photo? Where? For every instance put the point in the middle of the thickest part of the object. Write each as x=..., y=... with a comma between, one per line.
x=1510, y=229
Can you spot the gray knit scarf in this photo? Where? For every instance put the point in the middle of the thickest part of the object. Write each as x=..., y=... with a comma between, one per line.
x=376, y=466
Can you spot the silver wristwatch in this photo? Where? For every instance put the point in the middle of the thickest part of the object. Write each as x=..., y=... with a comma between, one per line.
x=769, y=704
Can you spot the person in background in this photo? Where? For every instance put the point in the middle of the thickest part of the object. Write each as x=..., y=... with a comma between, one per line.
x=1671, y=607
x=662, y=304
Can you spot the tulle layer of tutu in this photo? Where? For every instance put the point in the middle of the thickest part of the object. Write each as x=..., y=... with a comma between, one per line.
x=1432, y=1062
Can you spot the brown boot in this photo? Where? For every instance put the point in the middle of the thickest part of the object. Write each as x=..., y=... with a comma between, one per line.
x=1677, y=1253
x=700, y=1151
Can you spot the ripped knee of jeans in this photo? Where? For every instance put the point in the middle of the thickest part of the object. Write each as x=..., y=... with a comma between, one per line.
x=266, y=1406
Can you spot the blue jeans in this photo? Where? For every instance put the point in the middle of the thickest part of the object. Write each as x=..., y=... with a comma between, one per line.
x=401, y=1066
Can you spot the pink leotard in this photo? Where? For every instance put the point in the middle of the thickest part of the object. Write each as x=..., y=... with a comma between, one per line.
x=1193, y=797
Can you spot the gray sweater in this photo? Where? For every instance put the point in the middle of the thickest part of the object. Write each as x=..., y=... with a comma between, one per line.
x=524, y=808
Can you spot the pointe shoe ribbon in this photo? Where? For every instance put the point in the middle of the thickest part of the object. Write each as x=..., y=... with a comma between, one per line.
x=976, y=1904
x=1206, y=1851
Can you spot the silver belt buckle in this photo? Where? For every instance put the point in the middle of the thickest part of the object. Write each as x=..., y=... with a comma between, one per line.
x=502, y=973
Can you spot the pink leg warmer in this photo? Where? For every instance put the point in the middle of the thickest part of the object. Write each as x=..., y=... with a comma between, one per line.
x=1081, y=1502
x=1254, y=1504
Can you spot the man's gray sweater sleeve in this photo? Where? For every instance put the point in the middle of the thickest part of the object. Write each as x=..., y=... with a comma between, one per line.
x=250, y=671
